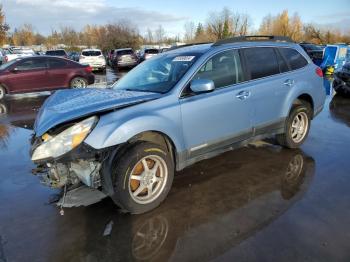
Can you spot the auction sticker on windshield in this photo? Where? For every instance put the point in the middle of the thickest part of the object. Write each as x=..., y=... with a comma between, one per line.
x=183, y=58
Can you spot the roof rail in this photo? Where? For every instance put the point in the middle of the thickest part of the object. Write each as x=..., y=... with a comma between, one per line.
x=181, y=46
x=254, y=38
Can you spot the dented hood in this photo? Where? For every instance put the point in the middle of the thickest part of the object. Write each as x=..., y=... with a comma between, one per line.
x=67, y=105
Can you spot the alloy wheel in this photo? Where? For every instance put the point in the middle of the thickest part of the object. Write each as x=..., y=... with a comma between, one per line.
x=148, y=179
x=300, y=125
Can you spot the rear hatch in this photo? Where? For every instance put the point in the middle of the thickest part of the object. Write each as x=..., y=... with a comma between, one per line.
x=92, y=57
x=126, y=56
x=151, y=52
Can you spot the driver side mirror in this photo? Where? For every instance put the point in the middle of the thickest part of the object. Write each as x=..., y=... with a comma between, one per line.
x=202, y=86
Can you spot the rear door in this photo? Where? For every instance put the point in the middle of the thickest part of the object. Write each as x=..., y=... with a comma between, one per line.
x=219, y=118
x=58, y=72
x=270, y=84
x=28, y=75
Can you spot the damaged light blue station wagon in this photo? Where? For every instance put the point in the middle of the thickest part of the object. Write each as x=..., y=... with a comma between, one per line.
x=180, y=107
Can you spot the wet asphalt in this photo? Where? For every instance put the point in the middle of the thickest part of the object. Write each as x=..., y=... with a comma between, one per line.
x=257, y=203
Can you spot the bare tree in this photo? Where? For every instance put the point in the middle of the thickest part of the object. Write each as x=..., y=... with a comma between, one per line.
x=159, y=34
x=149, y=36
x=189, y=32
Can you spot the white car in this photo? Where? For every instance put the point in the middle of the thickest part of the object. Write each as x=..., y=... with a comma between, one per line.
x=94, y=58
x=15, y=53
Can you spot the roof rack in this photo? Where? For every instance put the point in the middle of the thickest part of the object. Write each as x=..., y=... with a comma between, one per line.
x=181, y=46
x=254, y=38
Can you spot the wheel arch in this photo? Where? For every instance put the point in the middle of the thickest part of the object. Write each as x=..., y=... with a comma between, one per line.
x=5, y=87
x=158, y=138
x=302, y=98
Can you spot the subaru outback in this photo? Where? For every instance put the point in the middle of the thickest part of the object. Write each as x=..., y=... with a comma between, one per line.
x=171, y=111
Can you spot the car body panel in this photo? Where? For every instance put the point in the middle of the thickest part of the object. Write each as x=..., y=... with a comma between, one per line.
x=217, y=122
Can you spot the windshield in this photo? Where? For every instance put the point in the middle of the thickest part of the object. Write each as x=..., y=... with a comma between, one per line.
x=157, y=75
x=151, y=51
x=313, y=47
x=125, y=52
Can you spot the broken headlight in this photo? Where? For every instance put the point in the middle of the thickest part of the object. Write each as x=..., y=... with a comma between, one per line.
x=65, y=141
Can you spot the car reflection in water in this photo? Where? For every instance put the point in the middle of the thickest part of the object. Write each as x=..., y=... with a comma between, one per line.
x=339, y=109
x=20, y=111
x=213, y=206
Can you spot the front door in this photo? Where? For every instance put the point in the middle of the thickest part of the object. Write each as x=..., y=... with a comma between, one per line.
x=219, y=118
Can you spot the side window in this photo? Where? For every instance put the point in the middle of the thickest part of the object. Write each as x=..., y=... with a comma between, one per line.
x=283, y=66
x=56, y=63
x=261, y=61
x=31, y=64
x=224, y=69
x=294, y=58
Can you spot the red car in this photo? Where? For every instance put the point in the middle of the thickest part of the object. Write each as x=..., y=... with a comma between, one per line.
x=43, y=73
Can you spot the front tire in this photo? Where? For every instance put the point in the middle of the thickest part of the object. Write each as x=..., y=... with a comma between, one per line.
x=143, y=177
x=78, y=82
x=296, y=127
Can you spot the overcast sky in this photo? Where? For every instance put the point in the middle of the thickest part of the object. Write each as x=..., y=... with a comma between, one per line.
x=45, y=15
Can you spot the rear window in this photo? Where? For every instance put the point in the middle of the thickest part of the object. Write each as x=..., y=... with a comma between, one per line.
x=125, y=52
x=56, y=52
x=91, y=53
x=261, y=62
x=282, y=64
x=152, y=51
x=293, y=57
x=56, y=63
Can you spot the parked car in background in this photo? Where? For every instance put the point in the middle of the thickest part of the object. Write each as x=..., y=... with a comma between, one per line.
x=74, y=56
x=43, y=73
x=341, y=83
x=315, y=52
x=2, y=56
x=148, y=53
x=164, y=49
x=174, y=110
x=15, y=53
x=125, y=57
x=94, y=58
x=57, y=52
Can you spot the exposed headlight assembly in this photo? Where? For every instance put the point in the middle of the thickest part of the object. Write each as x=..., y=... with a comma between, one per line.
x=64, y=141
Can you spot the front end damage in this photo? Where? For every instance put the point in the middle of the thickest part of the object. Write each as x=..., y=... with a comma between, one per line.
x=79, y=174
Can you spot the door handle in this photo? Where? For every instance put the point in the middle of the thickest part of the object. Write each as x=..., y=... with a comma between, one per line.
x=289, y=82
x=243, y=95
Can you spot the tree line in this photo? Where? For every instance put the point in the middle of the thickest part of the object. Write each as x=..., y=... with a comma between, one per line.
x=218, y=25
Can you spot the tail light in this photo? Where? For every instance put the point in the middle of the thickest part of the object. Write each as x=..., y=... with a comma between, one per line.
x=319, y=72
x=6, y=58
x=88, y=69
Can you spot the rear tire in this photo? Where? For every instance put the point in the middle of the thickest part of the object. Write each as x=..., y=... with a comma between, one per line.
x=2, y=92
x=78, y=82
x=142, y=177
x=297, y=126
